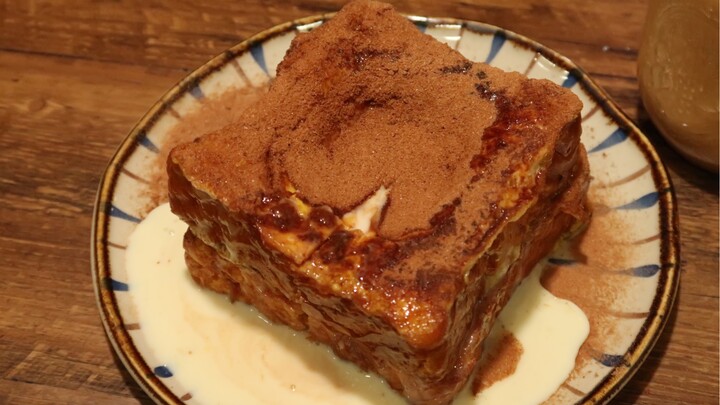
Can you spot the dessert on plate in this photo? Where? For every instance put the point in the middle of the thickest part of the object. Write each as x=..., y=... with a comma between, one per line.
x=386, y=196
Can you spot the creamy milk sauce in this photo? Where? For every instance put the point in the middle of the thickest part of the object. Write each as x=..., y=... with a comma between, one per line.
x=366, y=213
x=225, y=353
x=550, y=330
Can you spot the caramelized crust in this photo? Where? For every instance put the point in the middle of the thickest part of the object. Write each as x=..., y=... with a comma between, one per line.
x=485, y=172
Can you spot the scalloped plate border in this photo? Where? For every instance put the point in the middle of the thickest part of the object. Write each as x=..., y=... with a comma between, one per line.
x=669, y=274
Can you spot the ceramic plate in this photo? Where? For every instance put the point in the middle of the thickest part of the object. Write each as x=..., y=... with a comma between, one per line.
x=628, y=178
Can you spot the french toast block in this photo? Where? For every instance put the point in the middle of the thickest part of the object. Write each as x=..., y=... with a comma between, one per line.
x=386, y=196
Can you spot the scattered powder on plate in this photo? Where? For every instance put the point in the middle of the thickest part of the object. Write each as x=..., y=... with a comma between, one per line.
x=592, y=283
x=213, y=114
x=501, y=362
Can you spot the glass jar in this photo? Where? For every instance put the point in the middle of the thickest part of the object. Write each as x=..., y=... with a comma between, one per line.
x=678, y=74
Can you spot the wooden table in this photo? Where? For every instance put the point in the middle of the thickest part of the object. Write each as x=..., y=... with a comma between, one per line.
x=75, y=77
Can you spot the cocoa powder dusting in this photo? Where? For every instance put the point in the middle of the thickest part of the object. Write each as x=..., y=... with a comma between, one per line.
x=366, y=100
x=500, y=363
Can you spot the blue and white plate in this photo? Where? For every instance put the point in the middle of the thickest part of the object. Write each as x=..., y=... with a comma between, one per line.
x=628, y=177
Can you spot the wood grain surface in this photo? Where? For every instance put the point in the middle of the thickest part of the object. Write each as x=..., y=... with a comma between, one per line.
x=75, y=76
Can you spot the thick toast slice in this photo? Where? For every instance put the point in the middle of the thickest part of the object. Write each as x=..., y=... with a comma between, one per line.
x=387, y=196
